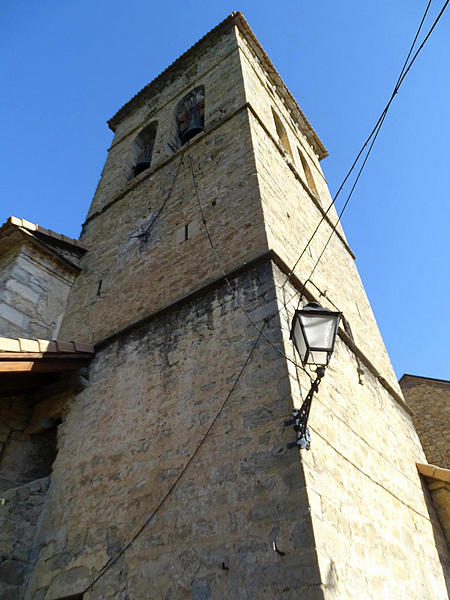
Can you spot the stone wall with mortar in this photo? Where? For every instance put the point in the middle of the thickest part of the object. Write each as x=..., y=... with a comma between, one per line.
x=430, y=400
x=217, y=67
x=291, y=215
x=120, y=452
x=140, y=277
x=14, y=416
x=440, y=495
x=24, y=468
x=34, y=287
x=375, y=532
x=20, y=508
x=349, y=518
x=24, y=455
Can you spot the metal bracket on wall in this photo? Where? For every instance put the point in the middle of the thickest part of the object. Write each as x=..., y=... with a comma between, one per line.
x=300, y=417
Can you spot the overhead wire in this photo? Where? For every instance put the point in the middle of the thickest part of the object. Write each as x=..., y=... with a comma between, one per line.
x=373, y=134
x=146, y=232
x=227, y=280
x=144, y=235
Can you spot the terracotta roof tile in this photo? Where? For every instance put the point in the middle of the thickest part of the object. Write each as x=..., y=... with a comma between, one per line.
x=9, y=345
x=47, y=346
x=42, y=346
x=28, y=345
x=434, y=472
x=65, y=346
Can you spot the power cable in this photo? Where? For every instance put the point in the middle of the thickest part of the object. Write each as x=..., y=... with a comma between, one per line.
x=145, y=234
x=405, y=69
x=404, y=72
x=225, y=277
x=115, y=558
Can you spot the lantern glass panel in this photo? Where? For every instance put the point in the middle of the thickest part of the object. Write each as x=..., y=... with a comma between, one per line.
x=317, y=357
x=319, y=330
x=299, y=339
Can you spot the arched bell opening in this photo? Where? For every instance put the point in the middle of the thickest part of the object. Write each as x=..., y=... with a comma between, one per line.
x=308, y=174
x=282, y=134
x=143, y=148
x=190, y=115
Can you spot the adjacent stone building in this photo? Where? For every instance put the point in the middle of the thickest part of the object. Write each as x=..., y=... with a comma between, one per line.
x=430, y=400
x=172, y=478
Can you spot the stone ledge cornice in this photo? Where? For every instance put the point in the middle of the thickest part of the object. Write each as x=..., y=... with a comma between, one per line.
x=135, y=182
x=217, y=282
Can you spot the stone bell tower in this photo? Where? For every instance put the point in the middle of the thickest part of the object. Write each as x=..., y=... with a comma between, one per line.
x=172, y=478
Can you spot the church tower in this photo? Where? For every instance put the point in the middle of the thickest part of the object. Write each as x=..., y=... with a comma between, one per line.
x=173, y=478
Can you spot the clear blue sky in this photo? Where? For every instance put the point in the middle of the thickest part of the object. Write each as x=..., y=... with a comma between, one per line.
x=67, y=66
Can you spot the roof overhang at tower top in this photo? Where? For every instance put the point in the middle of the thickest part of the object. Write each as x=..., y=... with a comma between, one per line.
x=235, y=19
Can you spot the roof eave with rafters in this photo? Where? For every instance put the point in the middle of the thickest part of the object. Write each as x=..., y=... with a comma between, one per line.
x=36, y=355
x=236, y=18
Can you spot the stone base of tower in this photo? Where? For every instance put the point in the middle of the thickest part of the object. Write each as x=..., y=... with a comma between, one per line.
x=238, y=522
x=376, y=532
x=247, y=518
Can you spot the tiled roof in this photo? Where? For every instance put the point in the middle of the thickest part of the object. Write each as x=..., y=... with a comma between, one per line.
x=434, y=472
x=26, y=365
x=238, y=19
x=37, y=229
x=423, y=378
x=37, y=346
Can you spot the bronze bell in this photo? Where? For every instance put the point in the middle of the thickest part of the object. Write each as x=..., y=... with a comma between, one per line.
x=194, y=127
x=141, y=166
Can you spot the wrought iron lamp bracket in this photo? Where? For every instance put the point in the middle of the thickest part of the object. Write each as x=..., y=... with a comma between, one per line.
x=300, y=417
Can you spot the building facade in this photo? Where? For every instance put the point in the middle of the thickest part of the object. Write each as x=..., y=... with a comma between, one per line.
x=172, y=478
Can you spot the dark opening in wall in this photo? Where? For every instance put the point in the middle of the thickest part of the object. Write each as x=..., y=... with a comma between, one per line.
x=26, y=458
x=282, y=135
x=190, y=115
x=308, y=174
x=143, y=148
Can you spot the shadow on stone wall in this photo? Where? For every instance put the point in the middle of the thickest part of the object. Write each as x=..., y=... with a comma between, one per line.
x=438, y=532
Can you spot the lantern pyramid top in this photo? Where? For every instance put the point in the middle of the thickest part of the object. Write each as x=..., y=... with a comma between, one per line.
x=234, y=19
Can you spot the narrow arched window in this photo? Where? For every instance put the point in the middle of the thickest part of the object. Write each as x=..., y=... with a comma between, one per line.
x=282, y=135
x=308, y=174
x=143, y=148
x=190, y=114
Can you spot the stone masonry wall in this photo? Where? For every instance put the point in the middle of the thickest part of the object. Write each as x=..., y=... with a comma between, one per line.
x=217, y=67
x=20, y=508
x=430, y=400
x=349, y=517
x=24, y=465
x=440, y=494
x=14, y=416
x=34, y=288
x=373, y=531
x=291, y=216
x=145, y=276
x=153, y=394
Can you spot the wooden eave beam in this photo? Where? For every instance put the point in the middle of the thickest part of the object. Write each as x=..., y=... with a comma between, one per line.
x=54, y=365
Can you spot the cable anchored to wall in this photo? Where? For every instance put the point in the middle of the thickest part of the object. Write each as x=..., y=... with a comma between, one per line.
x=144, y=235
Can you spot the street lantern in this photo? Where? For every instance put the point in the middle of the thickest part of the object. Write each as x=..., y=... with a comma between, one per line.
x=314, y=332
